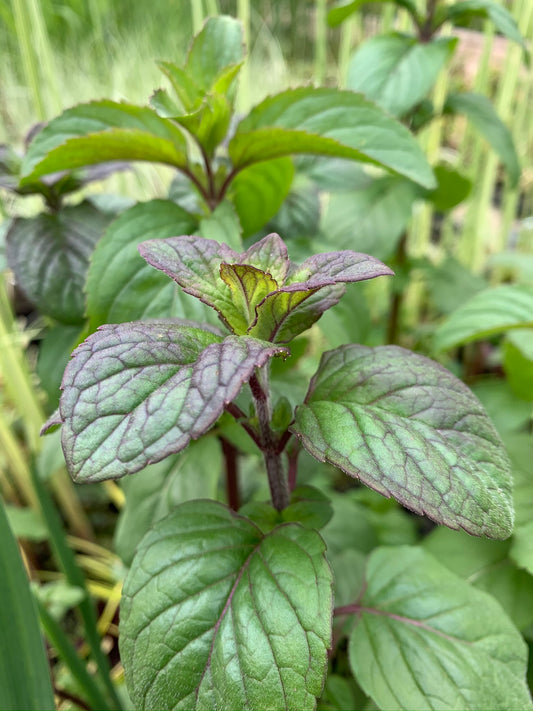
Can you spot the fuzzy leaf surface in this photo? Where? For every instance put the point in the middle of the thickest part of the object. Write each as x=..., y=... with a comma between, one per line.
x=425, y=639
x=135, y=393
x=396, y=71
x=408, y=428
x=216, y=614
x=50, y=257
x=121, y=286
x=265, y=295
x=332, y=123
x=491, y=311
x=103, y=131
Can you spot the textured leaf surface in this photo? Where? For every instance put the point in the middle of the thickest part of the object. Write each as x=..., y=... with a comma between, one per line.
x=408, y=428
x=24, y=672
x=156, y=491
x=396, y=71
x=425, y=639
x=121, y=286
x=135, y=393
x=328, y=122
x=50, y=257
x=491, y=311
x=265, y=295
x=480, y=111
x=217, y=615
x=102, y=131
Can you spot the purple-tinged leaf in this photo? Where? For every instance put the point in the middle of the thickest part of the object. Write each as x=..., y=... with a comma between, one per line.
x=216, y=614
x=260, y=291
x=135, y=393
x=408, y=428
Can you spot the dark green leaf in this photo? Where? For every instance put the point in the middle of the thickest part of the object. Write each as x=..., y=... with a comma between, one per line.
x=408, y=428
x=332, y=123
x=121, y=286
x=370, y=220
x=156, y=491
x=258, y=192
x=452, y=188
x=215, y=614
x=50, y=257
x=486, y=565
x=494, y=310
x=344, y=8
x=397, y=71
x=424, y=638
x=103, y=131
x=135, y=393
x=54, y=353
x=480, y=111
x=24, y=672
x=502, y=19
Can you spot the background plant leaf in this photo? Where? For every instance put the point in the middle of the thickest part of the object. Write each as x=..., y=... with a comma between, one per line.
x=498, y=14
x=332, y=123
x=407, y=427
x=343, y=9
x=491, y=311
x=397, y=71
x=135, y=393
x=50, y=257
x=217, y=615
x=424, y=638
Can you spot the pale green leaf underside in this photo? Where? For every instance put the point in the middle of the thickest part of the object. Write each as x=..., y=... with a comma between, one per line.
x=425, y=639
x=217, y=615
x=408, y=428
x=489, y=312
x=135, y=393
x=328, y=122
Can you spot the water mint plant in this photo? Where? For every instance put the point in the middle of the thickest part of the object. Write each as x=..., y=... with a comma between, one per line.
x=225, y=609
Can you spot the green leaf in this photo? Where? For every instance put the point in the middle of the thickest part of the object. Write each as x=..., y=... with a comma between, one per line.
x=102, y=131
x=408, y=428
x=328, y=122
x=259, y=191
x=218, y=46
x=54, y=353
x=522, y=550
x=494, y=310
x=24, y=671
x=486, y=565
x=215, y=614
x=121, y=286
x=209, y=124
x=370, y=220
x=156, y=491
x=299, y=215
x=135, y=393
x=223, y=226
x=343, y=9
x=480, y=111
x=509, y=413
x=518, y=362
x=50, y=257
x=397, y=71
x=450, y=283
x=502, y=19
x=424, y=638
x=452, y=188
x=26, y=523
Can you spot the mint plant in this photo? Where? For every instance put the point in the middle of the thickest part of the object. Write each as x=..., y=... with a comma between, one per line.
x=195, y=356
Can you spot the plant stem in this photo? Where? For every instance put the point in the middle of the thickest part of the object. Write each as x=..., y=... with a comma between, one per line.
x=321, y=39
x=292, y=455
x=232, y=480
x=269, y=445
x=426, y=31
x=240, y=417
x=397, y=296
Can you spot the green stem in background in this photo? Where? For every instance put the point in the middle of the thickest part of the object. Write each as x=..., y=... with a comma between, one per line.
x=243, y=98
x=321, y=41
x=197, y=15
x=30, y=65
x=65, y=558
x=345, y=48
x=212, y=8
x=68, y=654
x=232, y=474
x=397, y=296
x=277, y=481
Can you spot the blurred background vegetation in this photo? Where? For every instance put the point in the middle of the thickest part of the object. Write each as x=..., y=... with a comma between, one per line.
x=56, y=53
